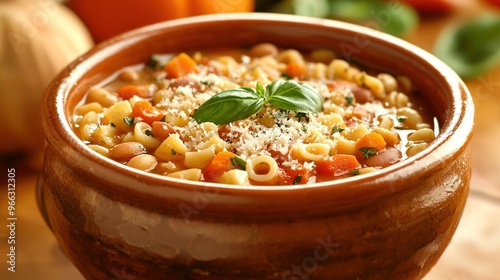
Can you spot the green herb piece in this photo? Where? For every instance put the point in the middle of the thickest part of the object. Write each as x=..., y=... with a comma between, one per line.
x=301, y=116
x=238, y=163
x=355, y=172
x=297, y=180
x=336, y=129
x=207, y=83
x=158, y=61
x=128, y=121
x=368, y=152
x=401, y=119
x=350, y=98
x=173, y=152
x=238, y=104
x=286, y=76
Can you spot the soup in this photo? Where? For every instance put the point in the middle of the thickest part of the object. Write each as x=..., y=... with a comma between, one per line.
x=254, y=116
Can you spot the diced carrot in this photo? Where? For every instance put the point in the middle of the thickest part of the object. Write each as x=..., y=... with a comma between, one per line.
x=289, y=176
x=147, y=112
x=337, y=165
x=221, y=163
x=295, y=69
x=162, y=130
x=180, y=66
x=369, y=145
x=144, y=91
x=371, y=140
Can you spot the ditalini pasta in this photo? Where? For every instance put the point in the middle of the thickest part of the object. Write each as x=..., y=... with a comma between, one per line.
x=257, y=116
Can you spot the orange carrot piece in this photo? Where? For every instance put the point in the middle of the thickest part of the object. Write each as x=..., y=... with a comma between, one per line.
x=337, y=165
x=147, y=112
x=295, y=70
x=371, y=140
x=180, y=66
x=221, y=163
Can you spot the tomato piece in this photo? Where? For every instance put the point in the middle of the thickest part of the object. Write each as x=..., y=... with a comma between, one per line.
x=289, y=176
x=494, y=2
x=434, y=7
x=143, y=91
x=147, y=112
x=337, y=165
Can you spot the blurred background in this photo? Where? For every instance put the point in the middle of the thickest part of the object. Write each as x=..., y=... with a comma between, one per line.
x=40, y=37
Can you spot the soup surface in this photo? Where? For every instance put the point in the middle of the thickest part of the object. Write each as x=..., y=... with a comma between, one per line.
x=259, y=116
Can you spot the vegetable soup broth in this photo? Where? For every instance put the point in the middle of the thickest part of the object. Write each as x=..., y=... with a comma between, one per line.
x=260, y=116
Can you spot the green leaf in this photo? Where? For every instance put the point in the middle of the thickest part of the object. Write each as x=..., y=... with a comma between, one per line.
x=349, y=10
x=260, y=90
x=293, y=96
x=228, y=106
x=238, y=104
x=471, y=48
x=312, y=8
x=396, y=18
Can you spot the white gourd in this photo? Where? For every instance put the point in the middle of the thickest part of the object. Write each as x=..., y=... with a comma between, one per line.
x=38, y=39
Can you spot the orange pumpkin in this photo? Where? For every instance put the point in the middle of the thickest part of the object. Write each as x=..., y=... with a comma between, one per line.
x=107, y=18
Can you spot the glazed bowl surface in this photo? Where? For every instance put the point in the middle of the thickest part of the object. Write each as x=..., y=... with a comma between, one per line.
x=114, y=222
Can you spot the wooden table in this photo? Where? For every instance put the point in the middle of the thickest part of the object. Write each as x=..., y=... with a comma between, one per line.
x=474, y=252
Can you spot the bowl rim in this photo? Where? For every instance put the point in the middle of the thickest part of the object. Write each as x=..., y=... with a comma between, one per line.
x=453, y=138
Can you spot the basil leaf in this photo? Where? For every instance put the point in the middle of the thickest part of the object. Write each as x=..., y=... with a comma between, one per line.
x=396, y=18
x=312, y=8
x=260, y=90
x=293, y=96
x=239, y=104
x=471, y=48
x=230, y=105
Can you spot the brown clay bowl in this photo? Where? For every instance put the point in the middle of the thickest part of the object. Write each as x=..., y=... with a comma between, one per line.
x=117, y=223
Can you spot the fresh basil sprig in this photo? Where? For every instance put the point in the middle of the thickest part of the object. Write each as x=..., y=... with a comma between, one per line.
x=238, y=104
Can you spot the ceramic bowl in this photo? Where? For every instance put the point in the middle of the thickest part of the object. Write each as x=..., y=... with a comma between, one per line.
x=117, y=223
